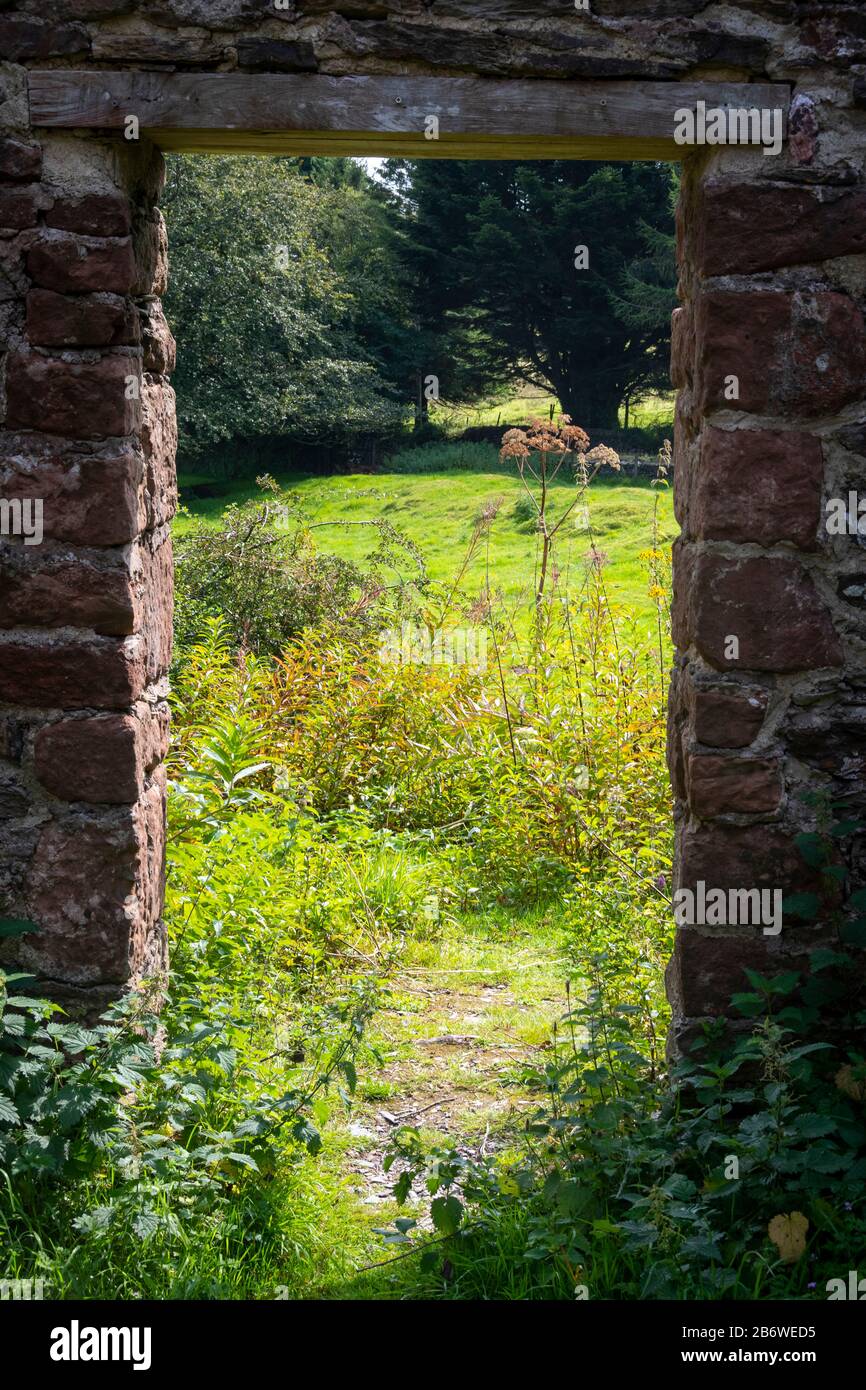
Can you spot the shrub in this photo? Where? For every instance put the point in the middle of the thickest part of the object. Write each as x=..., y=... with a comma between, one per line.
x=262, y=572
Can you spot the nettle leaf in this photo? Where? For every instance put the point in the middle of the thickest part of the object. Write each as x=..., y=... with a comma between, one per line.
x=748, y=1004
x=306, y=1133
x=821, y=959
x=145, y=1224
x=97, y=1220
x=402, y=1187
x=826, y=1160
x=446, y=1214
x=812, y=849
x=16, y=926
x=813, y=1126
x=8, y=1112
x=9, y=1067
x=245, y=1160
x=803, y=905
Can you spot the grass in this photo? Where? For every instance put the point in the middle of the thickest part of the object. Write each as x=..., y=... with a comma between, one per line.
x=437, y=510
x=652, y=410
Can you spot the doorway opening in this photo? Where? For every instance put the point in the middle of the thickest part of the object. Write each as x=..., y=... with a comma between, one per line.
x=422, y=638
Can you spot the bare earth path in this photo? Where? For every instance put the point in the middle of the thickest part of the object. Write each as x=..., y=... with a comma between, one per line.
x=468, y=1012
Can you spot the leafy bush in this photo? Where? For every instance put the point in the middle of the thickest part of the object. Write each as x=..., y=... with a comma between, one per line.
x=262, y=572
x=144, y=1133
x=318, y=797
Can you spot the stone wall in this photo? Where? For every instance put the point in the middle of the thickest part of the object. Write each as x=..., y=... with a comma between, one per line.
x=85, y=616
x=774, y=282
x=645, y=39
x=773, y=286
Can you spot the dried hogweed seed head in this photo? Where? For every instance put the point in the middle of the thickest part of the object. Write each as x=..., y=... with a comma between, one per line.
x=603, y=454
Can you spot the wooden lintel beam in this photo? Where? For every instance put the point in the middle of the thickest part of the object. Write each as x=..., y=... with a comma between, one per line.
x=309, y=113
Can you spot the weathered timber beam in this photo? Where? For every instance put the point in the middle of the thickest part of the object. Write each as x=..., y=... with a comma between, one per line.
x=303, y=113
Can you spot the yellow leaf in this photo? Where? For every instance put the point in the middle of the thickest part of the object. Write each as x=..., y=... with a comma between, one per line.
x=788, y=1234
x=848, y=1083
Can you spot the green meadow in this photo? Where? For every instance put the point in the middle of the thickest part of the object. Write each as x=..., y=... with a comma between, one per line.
x=437, y=510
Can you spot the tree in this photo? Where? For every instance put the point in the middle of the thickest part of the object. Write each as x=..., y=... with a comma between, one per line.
x=266, y=319
x=538, y=271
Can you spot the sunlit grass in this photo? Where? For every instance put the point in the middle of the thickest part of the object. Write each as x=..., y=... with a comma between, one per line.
x=656, y=409
x=438, y=512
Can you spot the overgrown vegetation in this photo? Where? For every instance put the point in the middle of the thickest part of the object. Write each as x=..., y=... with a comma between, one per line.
x=323, y=794
x=739, y=1176
x=320, y=795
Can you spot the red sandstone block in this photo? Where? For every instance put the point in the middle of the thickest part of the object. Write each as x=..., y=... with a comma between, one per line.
x=90, y=759
x=56, y=589
x=151, y=255
x=684, y=440
x=161, y=494
x=752, y=227
x=83, y=400
x=158, y=422
x=674, y=751
x=75, y=264
x=728, y=718
x=770, y=606
x=45, y=672
x=103, y=759
x=89, y=497
x=93, y=214
x=19, y=208
x=95, y=893
x=739, y=335
x=682, y=347
x=757, y=485
x=55, y=320
x=802, y=354
x=154, y=727
x=154, y=608
x=148, y=954
x=19, y=160
x=157, y=341
x=706, y=971
x=719, y=785
x=724, y=855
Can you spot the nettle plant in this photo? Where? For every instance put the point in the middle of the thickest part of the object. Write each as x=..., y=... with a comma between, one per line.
x=160, y=1116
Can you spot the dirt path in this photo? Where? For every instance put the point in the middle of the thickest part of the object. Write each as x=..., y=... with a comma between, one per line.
x=468, y=1012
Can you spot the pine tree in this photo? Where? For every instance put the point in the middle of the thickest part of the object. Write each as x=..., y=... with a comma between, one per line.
x=559, y=273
